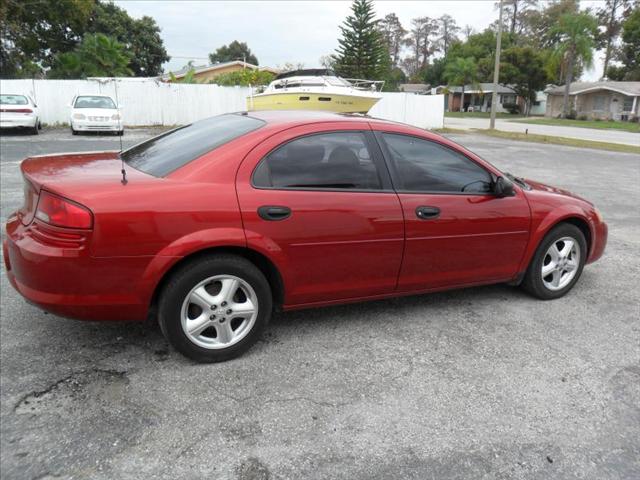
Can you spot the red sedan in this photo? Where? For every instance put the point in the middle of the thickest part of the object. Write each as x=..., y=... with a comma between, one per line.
x=213, y=225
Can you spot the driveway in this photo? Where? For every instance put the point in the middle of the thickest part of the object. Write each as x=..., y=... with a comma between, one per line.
x=483, y=383
x=611, y=136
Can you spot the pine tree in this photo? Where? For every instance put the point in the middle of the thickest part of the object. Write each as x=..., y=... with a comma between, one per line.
x=361, y=52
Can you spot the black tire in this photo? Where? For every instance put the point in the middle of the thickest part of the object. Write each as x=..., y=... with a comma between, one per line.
x=120, y=133
x=533, y=280
x=34, y=130
x=39, y=125
x=185, y=279
x=73, y=132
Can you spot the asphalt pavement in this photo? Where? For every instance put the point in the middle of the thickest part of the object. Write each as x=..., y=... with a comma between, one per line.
x=483, y=383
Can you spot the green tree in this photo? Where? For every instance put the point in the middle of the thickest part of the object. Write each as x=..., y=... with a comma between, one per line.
x=422, y=43
x=96, y=56
x=245, y=78
x=462, y=71
x=361, y=52
x=522, y=68
x=610, y=17
x=630, y=49
x=392, y=33
x=34, y=32
x=141, y=37
x=234, y=51
x=577, y=33
x=434, y=74
x=448, y=31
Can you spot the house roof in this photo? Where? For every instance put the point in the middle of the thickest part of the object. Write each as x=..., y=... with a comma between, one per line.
x=209, y=68
x=484, y=88
x=626, y=88
x=415, y=87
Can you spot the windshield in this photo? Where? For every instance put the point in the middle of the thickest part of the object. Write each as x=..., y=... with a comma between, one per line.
x=163, y=154
x=94, y=102
x=13, y=100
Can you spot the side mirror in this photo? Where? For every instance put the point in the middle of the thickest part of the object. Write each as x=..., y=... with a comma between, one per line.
x=503, y=187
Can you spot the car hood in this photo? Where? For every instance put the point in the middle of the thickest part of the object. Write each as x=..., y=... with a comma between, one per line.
x=541, y=187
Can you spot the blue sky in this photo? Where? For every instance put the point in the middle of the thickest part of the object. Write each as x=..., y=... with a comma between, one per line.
x=287, y=31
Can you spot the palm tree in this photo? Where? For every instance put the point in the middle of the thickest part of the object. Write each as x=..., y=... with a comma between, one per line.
x=576, y=33
x=462, y=71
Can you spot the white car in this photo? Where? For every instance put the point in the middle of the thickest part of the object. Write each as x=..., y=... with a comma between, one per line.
x=95, y=113
x=19, y=111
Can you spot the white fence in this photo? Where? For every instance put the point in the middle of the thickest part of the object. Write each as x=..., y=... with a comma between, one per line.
x=150, y=102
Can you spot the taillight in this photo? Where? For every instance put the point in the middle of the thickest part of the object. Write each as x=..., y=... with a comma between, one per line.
x=61, y=212
x=16, y=110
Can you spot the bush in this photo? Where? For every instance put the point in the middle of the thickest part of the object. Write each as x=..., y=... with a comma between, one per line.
x=583, y=117
x=512, y=108
x=572, y=115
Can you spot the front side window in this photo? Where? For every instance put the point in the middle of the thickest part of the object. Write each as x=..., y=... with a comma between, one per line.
x=337, y=160
x=94, y=102
x=424, y=166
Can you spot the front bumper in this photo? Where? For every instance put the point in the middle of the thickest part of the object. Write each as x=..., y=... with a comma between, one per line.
x=97, y=126
x=599, y=241
x=66, y=280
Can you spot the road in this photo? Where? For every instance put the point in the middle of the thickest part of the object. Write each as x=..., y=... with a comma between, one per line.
x=484, y=383
x=611, y=136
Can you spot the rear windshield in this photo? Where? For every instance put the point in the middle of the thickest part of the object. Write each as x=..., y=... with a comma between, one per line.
x=165, y=153
x=94, y=102
x=13, y=100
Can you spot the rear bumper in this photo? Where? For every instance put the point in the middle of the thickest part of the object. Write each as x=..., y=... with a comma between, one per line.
x=25, y=122
x=69, y=282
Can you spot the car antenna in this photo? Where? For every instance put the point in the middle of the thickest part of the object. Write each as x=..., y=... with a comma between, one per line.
x=122, y=169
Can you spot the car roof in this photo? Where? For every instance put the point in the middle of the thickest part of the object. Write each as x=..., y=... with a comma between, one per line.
x=301, y=117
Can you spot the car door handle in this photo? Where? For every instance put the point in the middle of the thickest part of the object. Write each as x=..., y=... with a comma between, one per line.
x=274, y=213
x=427, y=213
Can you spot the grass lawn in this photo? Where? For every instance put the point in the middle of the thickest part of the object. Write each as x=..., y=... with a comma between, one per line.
x=480, y=115
x=601, y=125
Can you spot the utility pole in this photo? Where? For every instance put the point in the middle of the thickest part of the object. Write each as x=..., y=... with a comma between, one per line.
x=496, y=73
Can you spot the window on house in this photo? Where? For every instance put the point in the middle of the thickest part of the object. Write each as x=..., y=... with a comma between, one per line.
x=628, y=104
x=598, y=103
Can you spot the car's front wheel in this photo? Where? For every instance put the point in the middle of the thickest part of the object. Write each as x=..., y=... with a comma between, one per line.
x=557, y=263
x=214, y=308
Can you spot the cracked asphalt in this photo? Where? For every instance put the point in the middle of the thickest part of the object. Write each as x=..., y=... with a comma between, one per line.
x=484, y=383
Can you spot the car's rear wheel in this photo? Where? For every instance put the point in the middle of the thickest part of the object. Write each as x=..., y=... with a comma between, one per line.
x=215, y=307
x=557, y=263
x=34, y=129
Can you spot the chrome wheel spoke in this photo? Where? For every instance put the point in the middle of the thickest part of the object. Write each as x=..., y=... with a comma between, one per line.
x=242, y=310
x=225, y=333
x=547, y=269
x=556, y=277
x=202, y=298
x=229, y=288
x=571, y=266
x=566, y=248
x=554, y=253
x=198, y=325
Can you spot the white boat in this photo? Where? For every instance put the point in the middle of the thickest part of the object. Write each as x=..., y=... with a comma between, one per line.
x=317, y=89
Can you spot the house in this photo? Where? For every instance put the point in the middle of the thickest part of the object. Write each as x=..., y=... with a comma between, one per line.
x=417, y=88
x=477, y=98
x=603, y=100
x=539, y=105
x=205, y=73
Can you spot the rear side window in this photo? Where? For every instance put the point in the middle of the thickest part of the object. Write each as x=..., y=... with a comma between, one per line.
x=337, y=160
x=165, y=153
x=424, y=166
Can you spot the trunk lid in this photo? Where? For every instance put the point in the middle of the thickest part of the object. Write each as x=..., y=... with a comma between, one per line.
x=76, y=176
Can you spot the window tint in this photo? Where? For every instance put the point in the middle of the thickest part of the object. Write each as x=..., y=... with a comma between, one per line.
x=424, y=166
x=329, y=160
x=94, y=102
x=168, y=152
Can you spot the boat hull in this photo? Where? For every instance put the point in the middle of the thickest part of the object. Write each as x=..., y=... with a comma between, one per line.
x=312, y=101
